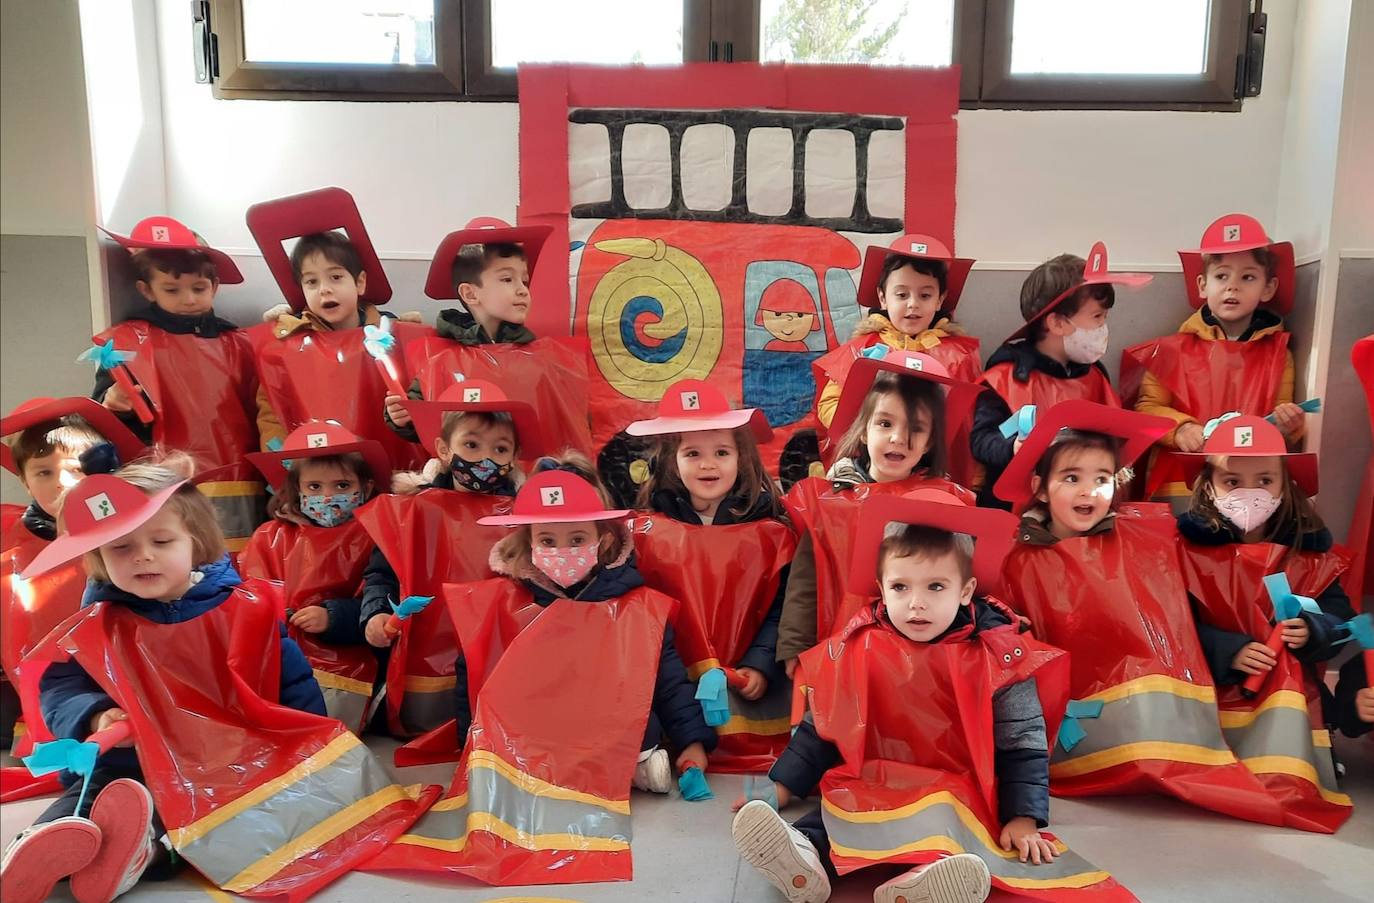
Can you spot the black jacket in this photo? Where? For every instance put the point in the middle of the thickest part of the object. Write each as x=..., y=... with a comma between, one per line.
x=39, y=522
x=989, y=447
x=1220, y=646
x=1353, y=679
x=1023, y=774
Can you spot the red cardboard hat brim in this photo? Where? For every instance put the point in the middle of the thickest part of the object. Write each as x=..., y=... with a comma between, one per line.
x=865, y=370
x=725, y=420
x=101, y=419
x=1285, y=271
x=428, y=417
x=439, y=284
x=992, y=529
x=68, y=545
x=874, y=258
x=569, y=517
x=1302, y=467
x=323, y=210
x=270, y=463
x=1130, y=280
x=225, y=269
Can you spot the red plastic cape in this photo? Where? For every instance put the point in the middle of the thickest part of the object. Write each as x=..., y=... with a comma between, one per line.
x=916, y=778
x=551, y=374
x=1117, y=603
x=542, y=795
x=1046, y=391
x=831, y=519
x=12, y=529
x=262, y=799
x=725, y=578
x=314, y=565
x=429, y=539
x=1279, y=735
x=330, y=376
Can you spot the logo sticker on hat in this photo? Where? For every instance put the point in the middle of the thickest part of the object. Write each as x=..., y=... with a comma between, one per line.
x=920, y=247
x=1230, y=232
x=100, y=506
x=1097, y=266
x=162, y=234
x=551, y=496
x=690, y=401
x=317, y=440
x=472, y=395
x=1245, y=437
x=914, y=363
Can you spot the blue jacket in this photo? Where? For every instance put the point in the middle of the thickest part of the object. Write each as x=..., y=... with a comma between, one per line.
x=70, y=698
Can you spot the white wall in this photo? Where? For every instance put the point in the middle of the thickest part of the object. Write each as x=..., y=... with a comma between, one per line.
x=1352, y=227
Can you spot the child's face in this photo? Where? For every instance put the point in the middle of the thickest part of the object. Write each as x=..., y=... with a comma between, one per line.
x=923, y=594
x=46, y=478
x=1079, y=490
x=895, y=444
x=1091, y=314
x=563, y=536
x=187, y=295
x=328, y=478
x=708, y=463
x=1234, y=286
x=503, y=293
x=1248, y=473
x=331, y=292
x=154, y=561
x=910, y=300
x=474, y=441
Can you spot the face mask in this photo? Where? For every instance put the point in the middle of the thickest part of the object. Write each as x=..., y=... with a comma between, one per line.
x=1247, y=508
x=1086, y=346
x=481, y=476
x=330, y=510
x=565, y=566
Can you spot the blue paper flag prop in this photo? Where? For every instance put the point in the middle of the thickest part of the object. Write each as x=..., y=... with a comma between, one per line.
x=1360, y=629
x=693, y=786
x=378, y=339
x=105, y=356
x=1287, y=604
x=1071, y=733
x=715, y=701
x=1019, y=424
x=75, y=756
x=410, y=605
x=876, y=352
x=1311, y=406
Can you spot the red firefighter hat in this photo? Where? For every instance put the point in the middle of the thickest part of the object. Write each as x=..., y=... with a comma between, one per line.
x=1136, y=431
x=1095, y=272
x=993, y=531
x=916, y=247
x=320, y=439
x=483, y=230
x=1231, y=234
x=1247, y=436
x=473, y=396
x=554, y=497
x=99, y=509
x=694, y=405
x=41, y=410
x=787, y=296
x=959, y=395
x=322, y=210
x=167, y=234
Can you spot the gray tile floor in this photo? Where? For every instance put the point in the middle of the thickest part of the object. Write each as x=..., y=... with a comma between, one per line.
x=1162, y=850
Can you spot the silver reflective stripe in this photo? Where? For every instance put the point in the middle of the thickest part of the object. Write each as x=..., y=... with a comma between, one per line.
x=239, y=515
x=346, y=706
x=1287, y=732
x=1147, y=717
x=774, y=704
x=423, y=710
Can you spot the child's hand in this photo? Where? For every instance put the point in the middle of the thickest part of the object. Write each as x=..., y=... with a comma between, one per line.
x=1189, y=438
x=755, y=684
x=1364, y=705
x=1289, y=418
x=116, y=400
x=692, y=754
x=1016, y=445
x=783, y=794
x=790, y=667
x=396, y=410
x=1254, y=658
x=312, y=619
x=375, y=631
x=109, y=718
x=1021, y=834
x=1296, y=633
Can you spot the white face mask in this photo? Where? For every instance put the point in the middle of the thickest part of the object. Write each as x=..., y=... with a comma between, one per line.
x=1248, y=509
x=1086, y=346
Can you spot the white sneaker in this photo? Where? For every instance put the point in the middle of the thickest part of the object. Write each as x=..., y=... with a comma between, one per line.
x=962, y=878
x=654, y=773
x=780, y=853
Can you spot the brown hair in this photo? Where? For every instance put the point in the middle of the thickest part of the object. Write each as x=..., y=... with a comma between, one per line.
x=472, y=260
x=286, y=503
x=1050, y=280
x=916, y=395
x=196, y=513
x=1078, y=441
x=333, y=246
x=936, y=269
x=752, y=481
x=71, y=434
x=923, y=542
x=1295, y=510
x=611, y=537
x=175, y=262
x=1263, y=256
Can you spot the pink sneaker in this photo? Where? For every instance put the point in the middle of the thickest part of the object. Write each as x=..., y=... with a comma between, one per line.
x=124, y=814
x=45, y=854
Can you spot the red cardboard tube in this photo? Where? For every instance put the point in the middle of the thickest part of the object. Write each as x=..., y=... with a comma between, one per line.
x=1369, y=667
x=392, y=627
x=1254, y=682
x=393, y=381
x=735, y=679
x=126, y=383
x=111, y=736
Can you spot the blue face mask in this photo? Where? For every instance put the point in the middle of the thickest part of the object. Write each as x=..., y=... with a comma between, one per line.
x=330, y=510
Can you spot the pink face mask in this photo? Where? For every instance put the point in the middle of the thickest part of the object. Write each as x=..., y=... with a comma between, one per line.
x=1248, y=509
x=565, y=566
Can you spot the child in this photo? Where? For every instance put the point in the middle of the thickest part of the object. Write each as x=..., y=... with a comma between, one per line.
x=171, y=646
x=1353, y=706
x=310, y=356
x=1104, y=583
x=195, y=369
x=1251, y=518
x=318, y=550
x=1054, y=357
x=565, y=656
x=925, y=727
x=487, y=267
x=891, y=434
x=428, y=534
x=1231, y=355
x=722, y=548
